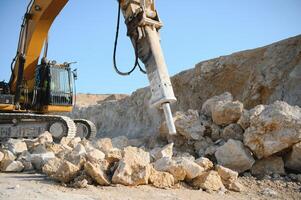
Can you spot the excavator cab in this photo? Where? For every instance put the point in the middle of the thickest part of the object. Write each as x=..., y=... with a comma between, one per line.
x=54, y=86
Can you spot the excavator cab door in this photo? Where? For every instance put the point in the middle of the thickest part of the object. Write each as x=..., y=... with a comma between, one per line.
x=55, y=83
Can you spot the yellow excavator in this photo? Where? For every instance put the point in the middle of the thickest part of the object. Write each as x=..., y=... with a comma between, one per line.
x=38, y=88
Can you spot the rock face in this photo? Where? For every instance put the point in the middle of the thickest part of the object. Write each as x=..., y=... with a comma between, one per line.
x=133, y=168
x=258, y=76
x=274, y=129
x=235, y=156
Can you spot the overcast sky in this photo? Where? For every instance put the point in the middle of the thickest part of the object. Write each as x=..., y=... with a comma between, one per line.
x=194, y=30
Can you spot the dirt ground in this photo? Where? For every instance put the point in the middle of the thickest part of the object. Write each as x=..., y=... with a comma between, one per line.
x=27, y=186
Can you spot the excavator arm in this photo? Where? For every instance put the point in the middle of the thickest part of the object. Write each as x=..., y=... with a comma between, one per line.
x=143, y=24
x=37, y=21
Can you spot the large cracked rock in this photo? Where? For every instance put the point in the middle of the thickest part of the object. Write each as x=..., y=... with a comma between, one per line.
x=134, y=168
x=235, y=156
x=275, y=128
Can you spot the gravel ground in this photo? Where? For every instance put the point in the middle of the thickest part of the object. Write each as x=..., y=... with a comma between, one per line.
x=27, y=186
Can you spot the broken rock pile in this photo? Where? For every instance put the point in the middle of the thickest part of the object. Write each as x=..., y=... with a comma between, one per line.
x=214, y=145
x=79, y=163
x=265, y=140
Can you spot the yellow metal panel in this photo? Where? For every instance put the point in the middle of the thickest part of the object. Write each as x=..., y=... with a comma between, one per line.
x=7, y=107
x=48, y=109
x=38, y=28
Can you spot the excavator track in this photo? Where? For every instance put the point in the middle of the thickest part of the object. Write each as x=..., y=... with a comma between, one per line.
x=29, y=125
x=85, y=129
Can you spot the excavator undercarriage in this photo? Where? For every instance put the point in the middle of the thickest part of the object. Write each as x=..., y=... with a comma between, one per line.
x=28, y=125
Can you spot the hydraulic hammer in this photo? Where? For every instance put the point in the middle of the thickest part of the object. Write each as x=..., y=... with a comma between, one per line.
x=143, y=24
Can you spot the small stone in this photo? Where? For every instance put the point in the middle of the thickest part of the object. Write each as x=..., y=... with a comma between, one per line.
x=57, y=148
x=16, y=146
x=209, y=181
x=8, y=155
x=66, y=172
x=104, y=145
x=114, y=155
x=39, y=149
x=228, y=176
x=269, y=192
x=44, y=138
x=188, y=125
x=236, y=187
x=293, y=160
x=11, y=166
x=65, y=140
x=161, y=179
x=133, y=169
x=191, y=168
x=77, y=156
x=25, y=159
x=95, y=156
x=215, y=132
x=1, y=156
x=87, y=144
x=210, y=103
x=38, y=160
x=268, y=166
x=52, y=166
x=81, y=183
x=120, y=142
x=95, y=171
x=235, y=156
x=299, y=178
x=201, y=145
x=205, y=163
x=74, y=142
x=166, y=151
x=210, y=151
x=232, y=131
x=168, y=165
x=227, y=113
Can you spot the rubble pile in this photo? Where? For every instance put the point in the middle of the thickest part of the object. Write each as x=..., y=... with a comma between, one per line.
x=265, y=140
x=212, y=148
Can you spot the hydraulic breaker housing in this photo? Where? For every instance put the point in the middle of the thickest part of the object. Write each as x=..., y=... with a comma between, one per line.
x=143, y=24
